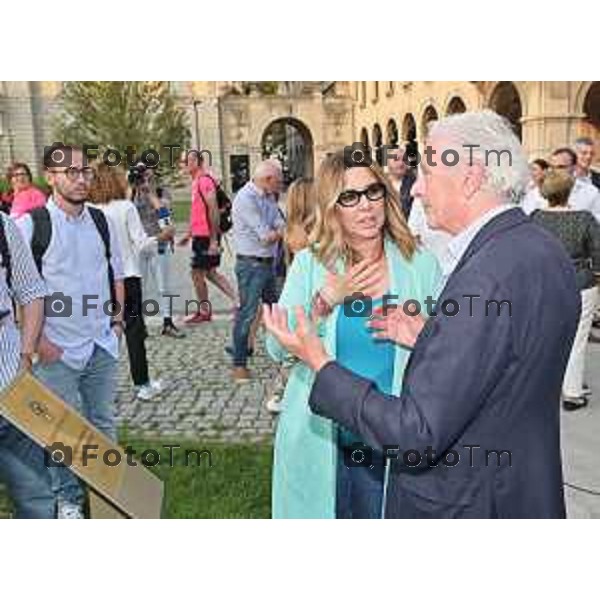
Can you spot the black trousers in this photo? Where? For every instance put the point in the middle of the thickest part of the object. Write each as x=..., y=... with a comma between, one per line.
x=135, y=331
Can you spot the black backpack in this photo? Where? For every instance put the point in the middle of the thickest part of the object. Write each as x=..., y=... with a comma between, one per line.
x=223, y=204
x=42, y=234
x=5, y=253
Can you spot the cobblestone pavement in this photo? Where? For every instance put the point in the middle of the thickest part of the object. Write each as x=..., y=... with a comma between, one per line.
x=201, y=400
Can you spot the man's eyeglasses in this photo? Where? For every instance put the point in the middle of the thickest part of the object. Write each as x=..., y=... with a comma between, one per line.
x=374, y=192
x=73, y=173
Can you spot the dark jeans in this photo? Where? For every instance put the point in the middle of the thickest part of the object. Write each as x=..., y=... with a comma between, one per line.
x=23, y=470
x=135, y=331
x=359, y=490
x=256, y=283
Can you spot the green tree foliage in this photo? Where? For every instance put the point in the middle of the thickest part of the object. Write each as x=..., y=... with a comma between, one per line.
x=122, y=114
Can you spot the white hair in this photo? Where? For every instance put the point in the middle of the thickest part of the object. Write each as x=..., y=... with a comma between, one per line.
x=498, y=150
x=268, y=168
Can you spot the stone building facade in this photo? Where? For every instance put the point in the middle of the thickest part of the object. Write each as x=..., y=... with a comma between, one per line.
x=545, y=114
x=237, y=122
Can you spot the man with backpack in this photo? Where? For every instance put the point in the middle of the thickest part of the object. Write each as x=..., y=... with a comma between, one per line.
x=77, y=255
x=210, y=218
x=22, y=466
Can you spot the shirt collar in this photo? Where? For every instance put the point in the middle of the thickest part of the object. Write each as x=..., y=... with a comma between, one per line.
x=256, y=190
x=61, y=214
x=460, y=242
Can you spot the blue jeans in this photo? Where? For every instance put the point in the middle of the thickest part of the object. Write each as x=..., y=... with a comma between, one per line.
x=23, y=470
x=91, y=392
x=256, y=282
x=359, y=490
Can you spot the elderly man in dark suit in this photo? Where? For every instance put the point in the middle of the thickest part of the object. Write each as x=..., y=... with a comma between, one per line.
x=475, y=432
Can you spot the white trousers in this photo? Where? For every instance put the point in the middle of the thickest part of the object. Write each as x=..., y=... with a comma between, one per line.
x=156, y=274
x=573, y=381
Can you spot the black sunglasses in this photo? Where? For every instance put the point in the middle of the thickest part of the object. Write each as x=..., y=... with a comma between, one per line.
x=373, y=192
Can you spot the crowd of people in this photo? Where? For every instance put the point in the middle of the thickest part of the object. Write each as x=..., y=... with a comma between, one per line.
x=348, y=378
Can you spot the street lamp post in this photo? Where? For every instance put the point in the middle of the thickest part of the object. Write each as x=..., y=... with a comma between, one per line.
x=196, y=122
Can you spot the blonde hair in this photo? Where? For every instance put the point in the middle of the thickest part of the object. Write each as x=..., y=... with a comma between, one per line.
x=557, y=187
x=300, y=205
x=326, y=239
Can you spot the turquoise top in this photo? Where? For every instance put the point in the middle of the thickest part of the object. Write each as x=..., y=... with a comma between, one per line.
x=361, y=353
x=306, y=449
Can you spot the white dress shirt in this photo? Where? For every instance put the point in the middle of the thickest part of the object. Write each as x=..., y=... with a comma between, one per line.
x=533, y=200
x=75, y=265
x=460, y=242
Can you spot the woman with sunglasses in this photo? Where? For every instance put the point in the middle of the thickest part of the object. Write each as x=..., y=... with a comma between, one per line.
x=360, y=244
x=26, y=196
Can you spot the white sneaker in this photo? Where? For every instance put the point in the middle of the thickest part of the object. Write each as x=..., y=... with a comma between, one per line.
x=69, y=510
x=152, y=389
x=273, y=405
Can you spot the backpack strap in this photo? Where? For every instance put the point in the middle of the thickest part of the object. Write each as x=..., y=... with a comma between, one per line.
x=41, y=236
x=5, y=253
x=101, y=224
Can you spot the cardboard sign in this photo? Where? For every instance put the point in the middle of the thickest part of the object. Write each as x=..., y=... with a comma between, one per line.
x=122, y=490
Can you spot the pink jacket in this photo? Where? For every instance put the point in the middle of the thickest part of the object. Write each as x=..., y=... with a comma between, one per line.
x=26, y=200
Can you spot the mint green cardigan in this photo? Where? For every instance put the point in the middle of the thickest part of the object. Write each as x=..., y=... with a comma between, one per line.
x=305, y=456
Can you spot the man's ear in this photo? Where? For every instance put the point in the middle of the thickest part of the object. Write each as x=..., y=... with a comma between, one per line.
x=474, y=179
x=50, y=177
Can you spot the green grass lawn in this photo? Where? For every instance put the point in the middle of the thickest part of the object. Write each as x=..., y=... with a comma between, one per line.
x=236, y=486
x=181, y=212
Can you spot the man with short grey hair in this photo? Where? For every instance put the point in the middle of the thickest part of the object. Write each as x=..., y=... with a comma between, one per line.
x=584, y=148
x=257, y=227
x=475, y=432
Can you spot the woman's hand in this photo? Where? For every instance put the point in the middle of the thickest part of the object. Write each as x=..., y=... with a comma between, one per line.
x=303, y=342
x=396, y=325
x=360, y=277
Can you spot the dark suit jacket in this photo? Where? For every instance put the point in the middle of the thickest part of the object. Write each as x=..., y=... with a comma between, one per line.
x=595, y=178
x=474, y=380
x=406, y=199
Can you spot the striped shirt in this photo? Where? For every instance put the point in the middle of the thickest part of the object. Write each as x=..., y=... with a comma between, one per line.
x=27, y=285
